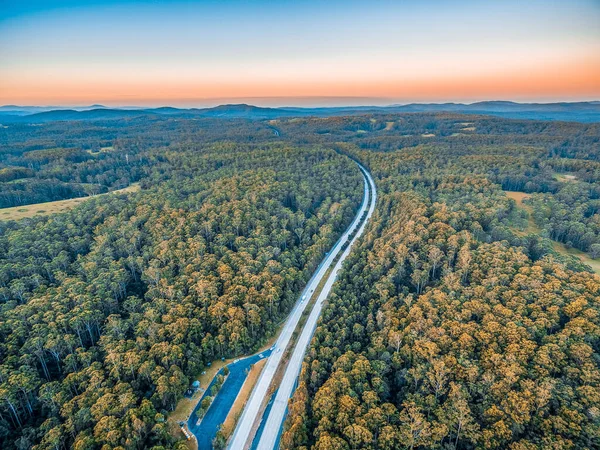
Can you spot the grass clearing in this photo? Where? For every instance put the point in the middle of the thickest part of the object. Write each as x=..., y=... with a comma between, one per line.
x=389, y=125
x=566, y=177
x=519, y=197
x=533, y=228
x=58, y=206
x=102, y=150
x=179, y=415
x=584, y=257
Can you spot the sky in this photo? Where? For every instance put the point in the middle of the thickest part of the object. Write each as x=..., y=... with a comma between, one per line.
x=297, y=52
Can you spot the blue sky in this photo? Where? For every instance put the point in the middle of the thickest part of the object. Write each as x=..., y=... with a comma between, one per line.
x=161, y=52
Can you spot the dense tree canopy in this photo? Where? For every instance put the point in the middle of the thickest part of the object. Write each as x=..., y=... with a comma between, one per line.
x=110, y=308
x=450, y=326
x=446, y=328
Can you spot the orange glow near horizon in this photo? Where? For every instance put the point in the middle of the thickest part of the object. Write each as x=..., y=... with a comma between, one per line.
x=539, y=54
x=575, y=80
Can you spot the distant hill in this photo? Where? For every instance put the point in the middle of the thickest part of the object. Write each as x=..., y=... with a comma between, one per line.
x=245, y=111
x=575, y=112
x=69, y=114
x=14, y=110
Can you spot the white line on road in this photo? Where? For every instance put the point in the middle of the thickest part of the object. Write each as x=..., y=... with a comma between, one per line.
x=276, y=415
x=243, y=432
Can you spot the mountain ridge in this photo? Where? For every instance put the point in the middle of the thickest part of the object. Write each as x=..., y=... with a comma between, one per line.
x=566, y=111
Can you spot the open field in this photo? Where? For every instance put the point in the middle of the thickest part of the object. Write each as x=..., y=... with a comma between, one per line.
x=519, y=197
x=566, y=177
x=102, y=150
x=58, y=206
x=584, y=257
x=532, y=227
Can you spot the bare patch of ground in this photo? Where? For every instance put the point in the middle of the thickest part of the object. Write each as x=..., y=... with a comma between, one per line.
x=47, y=208
x=517, y=196
x=566, y=177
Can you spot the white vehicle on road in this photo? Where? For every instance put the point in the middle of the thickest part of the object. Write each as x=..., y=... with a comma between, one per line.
x=244, y=432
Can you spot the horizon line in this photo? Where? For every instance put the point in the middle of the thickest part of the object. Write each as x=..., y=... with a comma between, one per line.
x=243, y=101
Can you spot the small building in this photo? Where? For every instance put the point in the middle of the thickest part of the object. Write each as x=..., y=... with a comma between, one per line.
x=196, y=385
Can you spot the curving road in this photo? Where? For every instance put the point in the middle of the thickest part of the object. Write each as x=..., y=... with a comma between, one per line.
x=242, y=437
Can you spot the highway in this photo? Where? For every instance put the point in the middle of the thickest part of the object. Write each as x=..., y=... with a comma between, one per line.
x=243, y=434
x=207, y=429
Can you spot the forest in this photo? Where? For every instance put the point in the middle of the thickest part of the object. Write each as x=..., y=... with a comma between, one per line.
x=110, y=309
x=449, y=327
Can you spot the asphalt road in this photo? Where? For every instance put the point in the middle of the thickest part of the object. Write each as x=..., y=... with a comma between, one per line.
x=274, y=421
x=242, y=438
x=206, y=431
x=262, y=425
